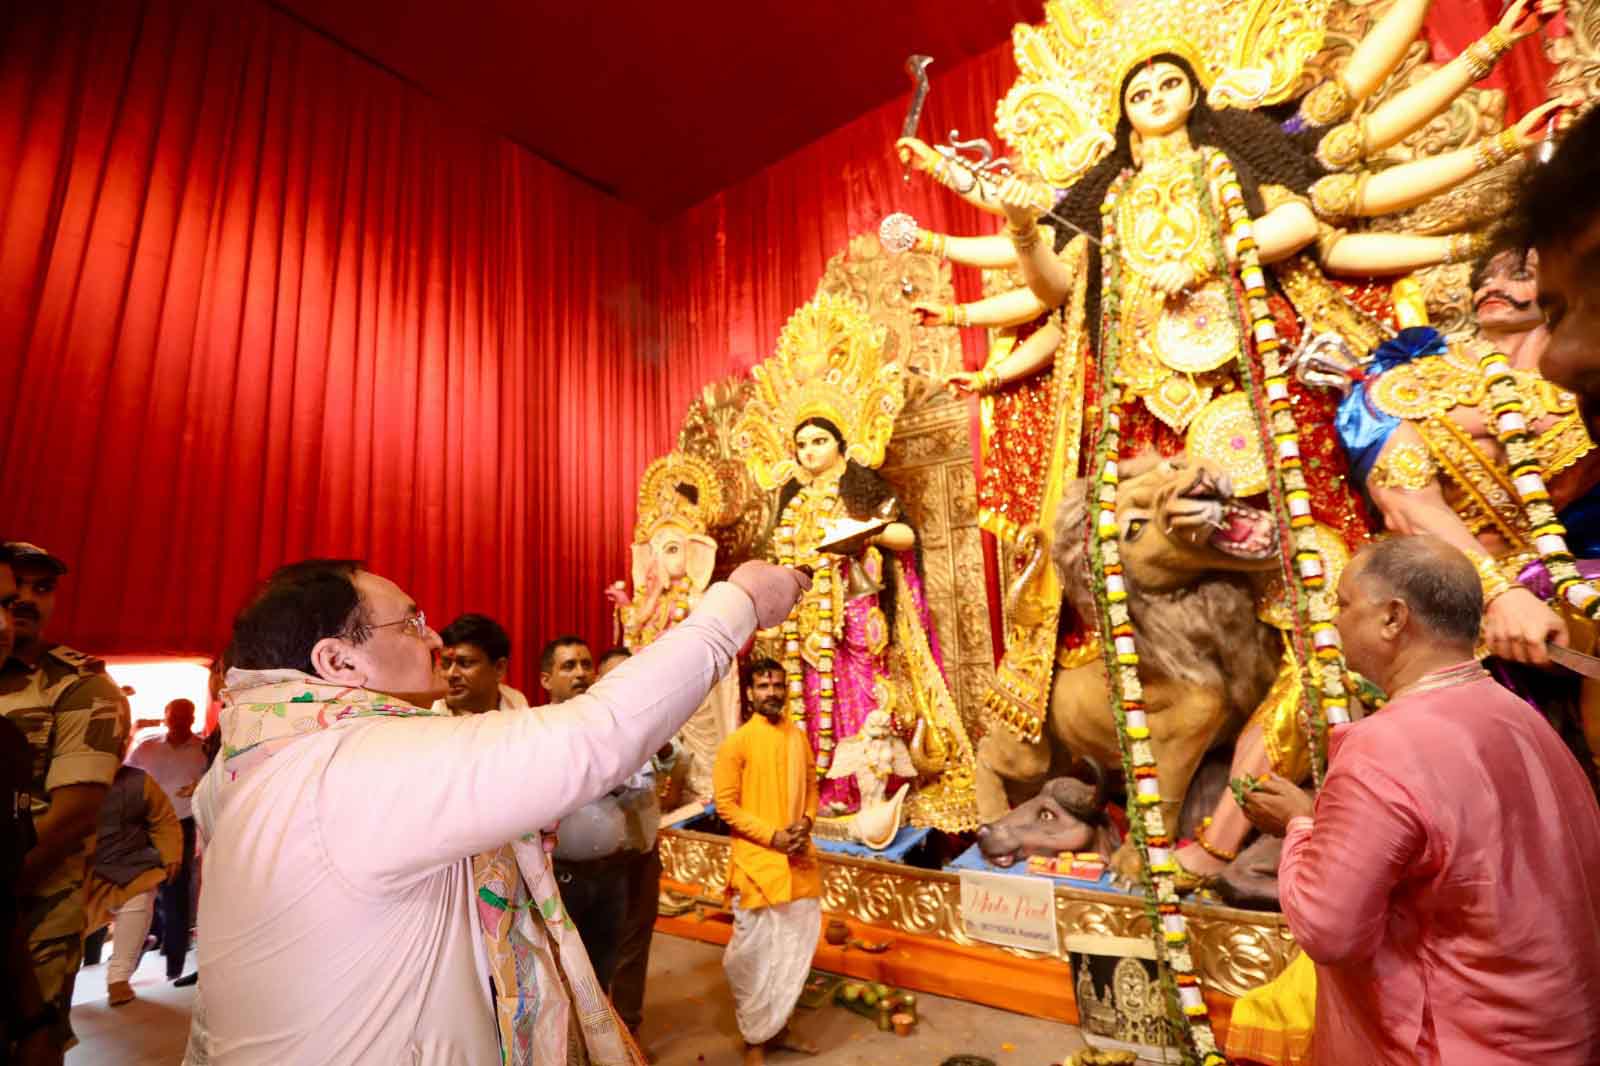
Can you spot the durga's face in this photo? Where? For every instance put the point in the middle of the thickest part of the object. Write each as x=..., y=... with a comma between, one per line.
x=1158, y=99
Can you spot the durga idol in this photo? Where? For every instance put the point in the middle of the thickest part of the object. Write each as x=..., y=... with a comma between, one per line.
x=861, y=640
x=1202, y=206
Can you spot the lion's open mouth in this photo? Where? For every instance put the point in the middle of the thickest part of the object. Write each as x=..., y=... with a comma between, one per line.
x=1245, y=532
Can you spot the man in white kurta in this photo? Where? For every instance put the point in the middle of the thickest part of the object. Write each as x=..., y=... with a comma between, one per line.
x=339, y=923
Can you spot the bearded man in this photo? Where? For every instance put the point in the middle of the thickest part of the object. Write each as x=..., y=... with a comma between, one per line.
x=1434, y=463
x=76, y=720
x=766, y=789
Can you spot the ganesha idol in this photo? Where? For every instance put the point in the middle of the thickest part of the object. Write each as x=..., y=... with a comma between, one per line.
x=861, y=639
x=673, y=558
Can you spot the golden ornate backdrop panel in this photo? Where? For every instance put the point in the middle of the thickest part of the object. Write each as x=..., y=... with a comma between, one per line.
x=707, y=432
x=1234, y=950
x=887, y=286
x=1577, y=55
x=930, y=465
x=929, y=461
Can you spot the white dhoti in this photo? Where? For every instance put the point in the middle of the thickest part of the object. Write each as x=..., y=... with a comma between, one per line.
x=767, y=962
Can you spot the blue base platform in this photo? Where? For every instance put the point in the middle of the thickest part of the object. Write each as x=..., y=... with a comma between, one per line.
x=901, y=846
x=972, y=859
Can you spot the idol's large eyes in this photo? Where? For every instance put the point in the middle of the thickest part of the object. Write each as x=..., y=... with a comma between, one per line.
x=1139, y=96
x=1135, y=527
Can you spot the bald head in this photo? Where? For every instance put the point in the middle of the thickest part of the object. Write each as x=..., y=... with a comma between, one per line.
x=1434, y=580
x=1407, y=600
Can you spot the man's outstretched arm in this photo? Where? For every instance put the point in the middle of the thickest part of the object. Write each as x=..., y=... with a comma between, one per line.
x=400, y=802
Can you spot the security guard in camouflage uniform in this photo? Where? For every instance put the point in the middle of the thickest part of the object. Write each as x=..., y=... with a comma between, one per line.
x=75, y=718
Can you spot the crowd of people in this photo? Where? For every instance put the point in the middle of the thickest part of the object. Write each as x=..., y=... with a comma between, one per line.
x=448, y=931
x=385, y=880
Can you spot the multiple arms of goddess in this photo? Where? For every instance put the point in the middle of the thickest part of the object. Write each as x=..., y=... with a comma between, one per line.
x=1289, y=227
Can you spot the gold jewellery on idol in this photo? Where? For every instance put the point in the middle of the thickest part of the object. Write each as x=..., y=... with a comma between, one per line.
x=1482, y=53
x=1495, y=583
x=1211, y=849
x=955, y=315
x=1492, y=151
x=1023, y=237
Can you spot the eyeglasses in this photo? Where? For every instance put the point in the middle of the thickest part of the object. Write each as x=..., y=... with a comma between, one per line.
x=418, y=623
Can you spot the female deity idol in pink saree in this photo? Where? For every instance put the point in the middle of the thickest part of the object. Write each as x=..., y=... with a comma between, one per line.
x=861, y=639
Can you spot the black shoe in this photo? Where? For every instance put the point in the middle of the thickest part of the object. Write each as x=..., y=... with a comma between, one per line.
x=186, y=980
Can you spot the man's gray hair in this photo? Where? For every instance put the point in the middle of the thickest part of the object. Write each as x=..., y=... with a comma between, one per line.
x=1437, y=581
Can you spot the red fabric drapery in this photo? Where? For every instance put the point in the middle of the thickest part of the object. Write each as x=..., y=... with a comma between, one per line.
x=260, y=300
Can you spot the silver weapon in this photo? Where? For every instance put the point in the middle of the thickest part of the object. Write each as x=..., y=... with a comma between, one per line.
x=917, y=69
x=959, y=166
x=1576, y=661
x=987, y=164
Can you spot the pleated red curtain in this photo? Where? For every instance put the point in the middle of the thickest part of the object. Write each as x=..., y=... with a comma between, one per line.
x=736, y=266
x=263, y=301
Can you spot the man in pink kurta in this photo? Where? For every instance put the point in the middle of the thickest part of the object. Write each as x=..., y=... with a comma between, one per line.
x=1447, y=882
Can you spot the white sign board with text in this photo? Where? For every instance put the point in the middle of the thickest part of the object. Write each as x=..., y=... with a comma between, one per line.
x=1015, y=912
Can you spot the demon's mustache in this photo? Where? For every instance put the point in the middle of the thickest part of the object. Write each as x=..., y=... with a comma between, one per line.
x=1501, y=294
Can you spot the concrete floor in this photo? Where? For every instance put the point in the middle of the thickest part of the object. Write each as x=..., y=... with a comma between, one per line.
x=150, y=1031
x=688, y=1022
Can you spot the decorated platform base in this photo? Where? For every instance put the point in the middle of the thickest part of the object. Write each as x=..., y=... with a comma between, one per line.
x=916, y=915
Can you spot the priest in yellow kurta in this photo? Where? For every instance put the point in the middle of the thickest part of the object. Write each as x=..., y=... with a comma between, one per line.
x=766, y=790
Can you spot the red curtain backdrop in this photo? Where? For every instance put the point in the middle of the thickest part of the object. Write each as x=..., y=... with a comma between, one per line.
x=263, y=301
x=260, y=300
x=736, y=266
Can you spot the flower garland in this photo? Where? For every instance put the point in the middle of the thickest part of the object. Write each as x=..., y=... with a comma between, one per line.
x=1305, y=574
x=1548, y=534
x=1148, y=828
x=814, y=502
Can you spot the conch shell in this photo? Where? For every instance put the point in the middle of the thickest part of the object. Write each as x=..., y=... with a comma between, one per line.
x=876, y=826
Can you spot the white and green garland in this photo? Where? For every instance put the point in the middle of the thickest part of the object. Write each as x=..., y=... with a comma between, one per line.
x=1325, y=701
x=1549, y=536
x=1147, y=827
x=1316, y=639
x=786, y=540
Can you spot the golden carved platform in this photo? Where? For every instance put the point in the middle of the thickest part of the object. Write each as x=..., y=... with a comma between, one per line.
x=918, y=913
